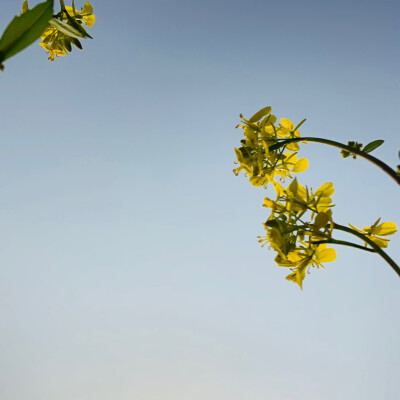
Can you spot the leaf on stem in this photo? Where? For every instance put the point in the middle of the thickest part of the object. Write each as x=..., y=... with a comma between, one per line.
x=372, y=146
x=23, y=30
x=66, y=28
x=77, y=26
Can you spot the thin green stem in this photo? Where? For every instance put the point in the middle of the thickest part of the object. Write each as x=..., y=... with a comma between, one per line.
x=391, y=172
x=374, y=246
x=344, y=243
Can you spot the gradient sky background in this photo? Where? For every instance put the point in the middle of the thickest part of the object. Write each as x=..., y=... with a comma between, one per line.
x=130, y=267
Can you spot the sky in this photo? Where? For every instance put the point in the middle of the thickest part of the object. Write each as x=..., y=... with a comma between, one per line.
x=130, y=267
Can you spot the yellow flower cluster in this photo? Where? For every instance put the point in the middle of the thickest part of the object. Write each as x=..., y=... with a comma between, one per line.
x=58, y=41
x=65, y=29
x=287, y=232
x=300, y=219
x=300, y=224
x=254, y=157
x=375, y=231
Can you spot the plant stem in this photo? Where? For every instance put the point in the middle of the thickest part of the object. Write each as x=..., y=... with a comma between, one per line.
x=392, y=173
x=374, y=246
x=344, y=243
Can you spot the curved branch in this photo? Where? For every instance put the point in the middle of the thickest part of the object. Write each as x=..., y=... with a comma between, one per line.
x=371, y=243
x=344, y=243
x=391, y=172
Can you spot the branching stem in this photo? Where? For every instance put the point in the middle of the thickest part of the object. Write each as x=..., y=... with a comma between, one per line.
x=373, y=245
x=391, y=172
x=344, y=243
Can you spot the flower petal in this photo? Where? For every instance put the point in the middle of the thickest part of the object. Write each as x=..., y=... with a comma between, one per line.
x=326, y=190
x=326, y=255
x=300, y=166
x=287, y=124
x=386, y=228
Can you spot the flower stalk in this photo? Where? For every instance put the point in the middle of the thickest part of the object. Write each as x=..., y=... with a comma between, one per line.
x=391, y=172
x=373, y=245
x=344, y=243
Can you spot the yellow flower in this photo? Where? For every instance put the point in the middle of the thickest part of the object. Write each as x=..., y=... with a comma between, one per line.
x=286, y=130
x=280, y=237
x=85, y=15
x=373, y=232
x=301, y=199
x=303, y=258
x=58, y=43
x=53, y=51
x=260, y=164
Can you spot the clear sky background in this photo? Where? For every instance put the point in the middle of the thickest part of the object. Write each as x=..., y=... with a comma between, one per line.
x=130, y=267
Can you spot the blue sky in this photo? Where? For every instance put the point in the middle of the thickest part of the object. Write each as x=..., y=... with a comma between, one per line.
x=130, y=267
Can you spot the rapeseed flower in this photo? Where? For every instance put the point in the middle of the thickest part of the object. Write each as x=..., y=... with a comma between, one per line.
x=375, y=231
x=63, y=32
x=302, y=259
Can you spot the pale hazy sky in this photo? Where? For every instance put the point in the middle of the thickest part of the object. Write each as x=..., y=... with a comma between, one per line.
x=130, y=267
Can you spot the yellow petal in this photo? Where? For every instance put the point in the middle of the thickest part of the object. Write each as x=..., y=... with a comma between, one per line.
x=70, y=10
x=382, y=243
x=269, y=129
x=282, y=133
x=268, y=203
x=326, y=255
x=293, y=147
x=90, y=20
x=87, y=8
x=239, y=155
x=266, y=148
x=259, y=114
x=282, y=262
x=47, y=32
x=297, y=277
x=385, y=229
x=289, y=125
x=290, y=158
x=45, y=46
x=268, y=120
x=258, y=180
x=300, y=166
x=278, y=188
x=294, y=257
x=296, y=190
x=326, y=190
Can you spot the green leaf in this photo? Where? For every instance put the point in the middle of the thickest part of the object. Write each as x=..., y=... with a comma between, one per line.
x=258, y=115
x=272, y=223
x=372, y=146
x=77, y=26
x=23, y=30
x=66, y=28
x=77, y=43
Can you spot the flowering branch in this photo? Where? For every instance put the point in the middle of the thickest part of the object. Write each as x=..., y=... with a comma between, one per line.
x=374, y=246
x=58, y=32
x=300, y=225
